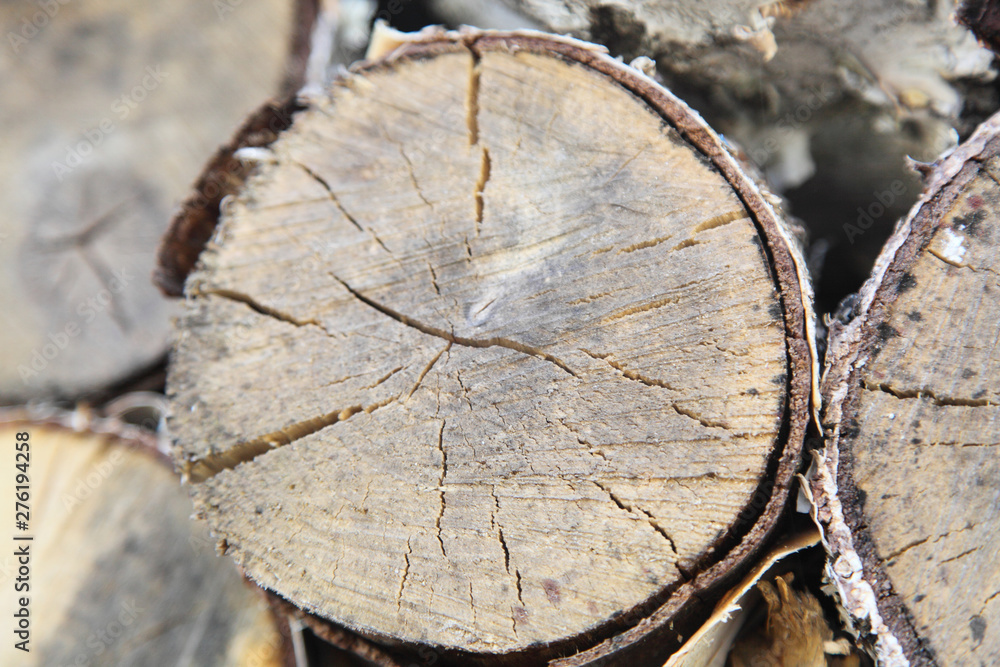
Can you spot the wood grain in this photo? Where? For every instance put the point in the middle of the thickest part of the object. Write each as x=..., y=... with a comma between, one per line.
x=487, y=353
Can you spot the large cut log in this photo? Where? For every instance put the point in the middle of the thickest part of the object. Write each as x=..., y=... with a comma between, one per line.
x=497, y=353
x=110, y=109
x=114, y=570
x=910, y=479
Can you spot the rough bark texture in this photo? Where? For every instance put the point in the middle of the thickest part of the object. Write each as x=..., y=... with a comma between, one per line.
x=491, y=320
x=119, y=574
x=909, y=481
x=904, y=53
x=109, y=110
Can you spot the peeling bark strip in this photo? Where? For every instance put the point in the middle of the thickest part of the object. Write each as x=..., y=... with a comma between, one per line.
x=908, y=486
x=499, y=353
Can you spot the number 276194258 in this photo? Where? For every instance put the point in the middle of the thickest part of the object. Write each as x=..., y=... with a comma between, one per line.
x=22, y=491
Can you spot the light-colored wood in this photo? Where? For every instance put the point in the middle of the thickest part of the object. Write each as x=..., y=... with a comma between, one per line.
x=118, y=572
x=110, y=108
x=911, y=476
x=827, y=97
x=486, y=353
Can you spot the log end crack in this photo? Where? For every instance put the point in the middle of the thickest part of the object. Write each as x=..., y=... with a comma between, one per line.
x=924, y=392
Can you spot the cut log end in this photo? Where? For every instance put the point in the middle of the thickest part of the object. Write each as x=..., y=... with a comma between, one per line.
x=119, y=574
x=115, y=112
x=497, y=352
x=911, y=474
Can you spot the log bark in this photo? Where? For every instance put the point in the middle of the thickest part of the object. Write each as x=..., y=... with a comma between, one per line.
x=909, y=479
x=498, y=353
x=110, y=111
x=791, y=53
x=119, y=574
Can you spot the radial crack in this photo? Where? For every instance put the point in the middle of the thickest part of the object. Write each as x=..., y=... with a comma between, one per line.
x=720, y=220
x=686, y=243
x=635, y=509
x=899, y=552
x=686, y=412
x=97, y=226
x=385, y=377
x=885, y=387
x=655, y=382
x=105, y=276
x=333, y=197
x=199, y=470
x=626, y=164
x=484, y=177
x=641, y=245
x=587, y=299
x=406, y=573
x=635, y=310
x=340, y=207
x=434, y=278
x=441, y=491
x=961, y=555
x=933, y=540
x=472, y=605
x=705, y=225
x=988, y=600
x=258, y=307
x=948, y=260
x=445, y=335
x=630, y=375
x=472, y=99
x=413, y=176
x=503, y=542
x=427, y=369
x=657, y=527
